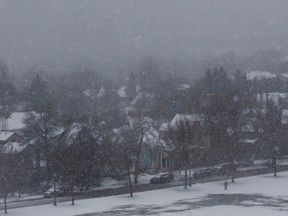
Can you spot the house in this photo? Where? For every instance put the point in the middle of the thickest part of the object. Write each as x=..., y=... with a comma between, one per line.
x=195, y=118
x=249, y=135
x=152, y=152
x=202, y=144
x=153, y=155
x=15, y=122
x=8, y=136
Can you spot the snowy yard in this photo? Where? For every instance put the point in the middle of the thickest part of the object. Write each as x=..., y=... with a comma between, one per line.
x=258, y=195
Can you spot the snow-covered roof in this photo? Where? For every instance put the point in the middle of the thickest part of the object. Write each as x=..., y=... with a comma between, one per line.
x=164, y=127
x=4, y=135
x=73, y=132
x=57, y=131
x=285, y=75
x=90, y=93
x=259, y=75
x=16, y=121
x=248, y=141
x=13, y=147
x=191, y=117
x=248, y=127
x=101, y=92
x=183, y=87
x=151, y=137
x=122, y=91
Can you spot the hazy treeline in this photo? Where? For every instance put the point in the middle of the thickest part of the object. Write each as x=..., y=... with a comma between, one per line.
x=94, y=105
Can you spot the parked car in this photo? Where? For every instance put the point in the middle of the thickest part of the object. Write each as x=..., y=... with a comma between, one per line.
x=61, y=191
x=267, y=163
x=165, y=178
x=245, y=163
x=205, y=173
x=226, y=168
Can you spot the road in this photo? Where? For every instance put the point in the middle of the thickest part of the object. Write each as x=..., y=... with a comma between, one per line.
x=137, y=188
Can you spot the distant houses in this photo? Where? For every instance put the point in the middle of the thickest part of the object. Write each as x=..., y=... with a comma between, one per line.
x=12, y=138
x=11, y=133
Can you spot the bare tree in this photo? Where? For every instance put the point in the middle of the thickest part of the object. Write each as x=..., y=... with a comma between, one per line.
x=272, y=127
x=8, y=173
x=185, y=138
x=7, y=91
x=126, y=151
x=138, y=129
x=41, y=127
x=77, y=157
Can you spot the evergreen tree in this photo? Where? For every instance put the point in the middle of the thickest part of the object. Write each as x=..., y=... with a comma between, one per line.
x=149, y=75
x=39, y=97
x=8, y=175
x=271, y=133
x=223, y=104
x=131, y=89
x=7, y=91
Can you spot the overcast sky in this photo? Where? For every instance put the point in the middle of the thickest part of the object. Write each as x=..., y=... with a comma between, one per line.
x=43, y=32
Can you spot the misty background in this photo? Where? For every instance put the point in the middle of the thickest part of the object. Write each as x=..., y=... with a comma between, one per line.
x=62, y=35
x=96, y=86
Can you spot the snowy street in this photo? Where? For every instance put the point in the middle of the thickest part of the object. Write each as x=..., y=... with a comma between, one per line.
x=256, y=195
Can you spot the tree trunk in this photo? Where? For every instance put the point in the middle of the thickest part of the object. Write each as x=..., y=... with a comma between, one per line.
x=275, y=170
x=72, y=194
x=185, y=186
x=130, y=182
x=37, y=165
x=274, y=164
x=5, y=202
x=136, y=173
x=137, y=159
x=54, y=199
x=19, y=195
x=190, y=176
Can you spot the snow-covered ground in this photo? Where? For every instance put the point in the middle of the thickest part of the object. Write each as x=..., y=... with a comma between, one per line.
x=257, y=195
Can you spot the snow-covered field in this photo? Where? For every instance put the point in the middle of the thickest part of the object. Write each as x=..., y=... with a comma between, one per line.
x=257, y=195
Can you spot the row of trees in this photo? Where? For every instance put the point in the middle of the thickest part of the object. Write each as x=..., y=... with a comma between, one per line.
x=90, y=99
x=15, y=172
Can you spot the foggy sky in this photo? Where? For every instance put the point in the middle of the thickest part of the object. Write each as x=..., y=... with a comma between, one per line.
x=59, y=32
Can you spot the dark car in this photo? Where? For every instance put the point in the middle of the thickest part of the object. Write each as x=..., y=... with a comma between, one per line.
x=165, y=178
x=61, y=191
x=154, y=180
x=245, y=163
x=226, y=168
x=267, y=163
x=205, y=173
